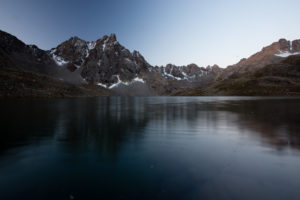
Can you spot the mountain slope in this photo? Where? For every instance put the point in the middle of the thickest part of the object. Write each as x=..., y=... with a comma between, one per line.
x=271, y=54
x=21, y=83
x=279, y=79
x=27, y=71
x=22, y=56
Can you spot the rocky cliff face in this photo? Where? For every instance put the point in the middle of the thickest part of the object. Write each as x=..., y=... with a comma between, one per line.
x=296, y=46
x=109, y=63
x=73, y=52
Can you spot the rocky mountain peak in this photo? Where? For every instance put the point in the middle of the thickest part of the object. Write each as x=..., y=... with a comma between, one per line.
x=296, y=46
x=284, y=45
x=76, y=41
x=193, y=65
x=110, y=63
x=216, y=70
x=215, y=66
x=288, y=47
x=71, y=51
x=108, y=39
x=112, y=37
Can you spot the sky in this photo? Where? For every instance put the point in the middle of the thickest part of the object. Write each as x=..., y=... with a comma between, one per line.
x=180, y=32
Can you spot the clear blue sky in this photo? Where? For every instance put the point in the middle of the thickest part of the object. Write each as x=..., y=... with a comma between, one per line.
x=164, y=31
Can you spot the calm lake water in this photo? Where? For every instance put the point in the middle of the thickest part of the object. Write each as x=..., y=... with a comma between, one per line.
x=150, y=148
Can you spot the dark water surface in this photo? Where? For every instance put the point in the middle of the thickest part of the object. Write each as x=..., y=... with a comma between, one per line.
x=150, y=148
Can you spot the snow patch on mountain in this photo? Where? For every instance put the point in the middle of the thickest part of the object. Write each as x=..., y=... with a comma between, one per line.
x=137, y=79
x=165, y=74
x=57, y=59
x=104, y=44
x=116, y=84
x=187, y=77
x=99, y=62
x=128, y=60
x=285, y=54
x=101, y=85
x=91, y=45
x=120, y=82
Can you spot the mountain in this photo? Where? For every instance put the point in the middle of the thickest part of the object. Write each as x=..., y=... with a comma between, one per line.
x=110, y=65
x=271, y=54
x=111, y=69
x=277, y=79
x=272, y=71
x=104, y=63
x=27, y=71
x=14, y=53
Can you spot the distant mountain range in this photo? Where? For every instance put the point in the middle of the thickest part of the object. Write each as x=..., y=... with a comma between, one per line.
x=105, y=67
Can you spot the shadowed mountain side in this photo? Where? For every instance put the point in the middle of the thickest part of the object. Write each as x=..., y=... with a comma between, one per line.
x=16, y=54
x=20, y=83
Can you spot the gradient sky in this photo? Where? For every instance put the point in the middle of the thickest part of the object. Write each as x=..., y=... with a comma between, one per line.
x=181, y=32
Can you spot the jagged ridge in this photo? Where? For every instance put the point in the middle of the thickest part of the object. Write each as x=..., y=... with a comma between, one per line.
x=107, y=63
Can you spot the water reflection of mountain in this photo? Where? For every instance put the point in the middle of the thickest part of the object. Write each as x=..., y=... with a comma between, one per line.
x=100, y=123
x=272, y=122
x=104, y=124
x=275, y=122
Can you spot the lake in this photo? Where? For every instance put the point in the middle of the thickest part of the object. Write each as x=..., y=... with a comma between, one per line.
x=150, y=148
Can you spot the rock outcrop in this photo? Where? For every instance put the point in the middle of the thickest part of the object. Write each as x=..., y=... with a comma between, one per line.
x=296, y=46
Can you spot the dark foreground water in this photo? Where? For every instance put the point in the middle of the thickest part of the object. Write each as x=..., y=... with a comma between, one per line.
x=150, y=148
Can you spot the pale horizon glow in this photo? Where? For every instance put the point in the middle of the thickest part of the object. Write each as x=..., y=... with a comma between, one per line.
x=204, y=32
